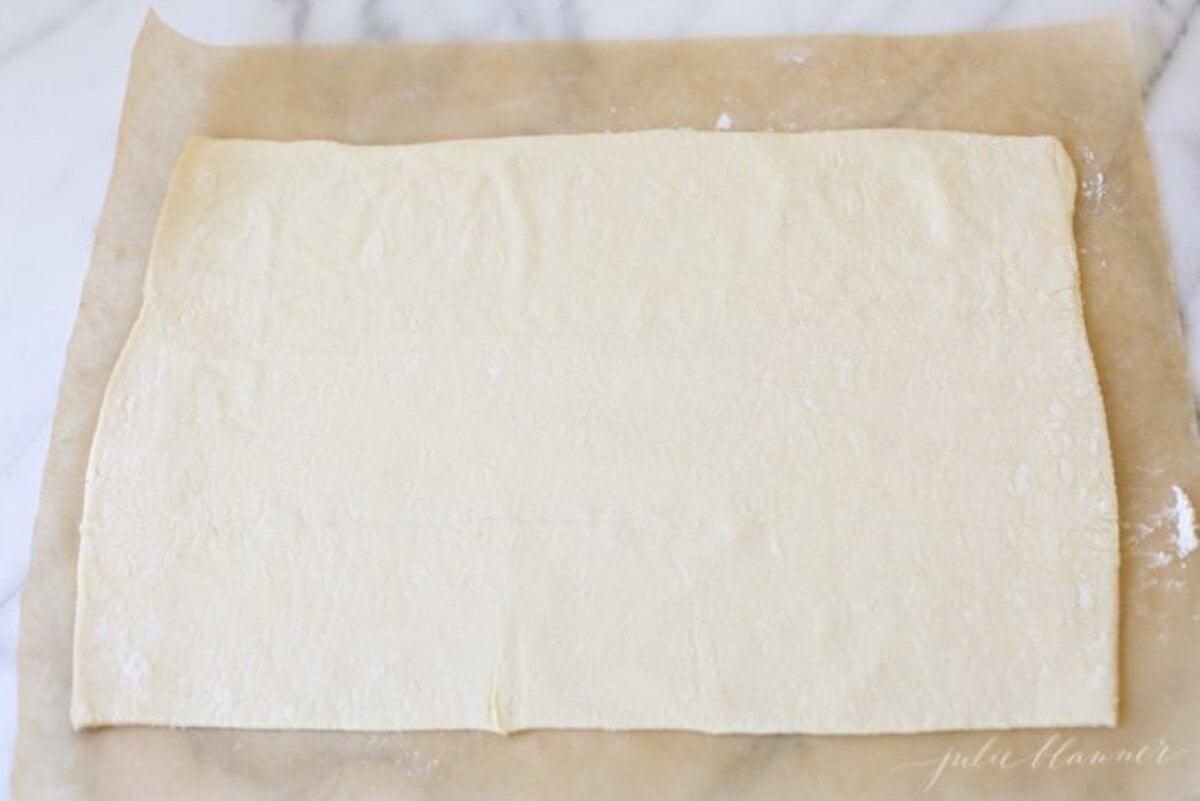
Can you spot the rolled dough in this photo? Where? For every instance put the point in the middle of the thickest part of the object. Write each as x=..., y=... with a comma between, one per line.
x=727, y=432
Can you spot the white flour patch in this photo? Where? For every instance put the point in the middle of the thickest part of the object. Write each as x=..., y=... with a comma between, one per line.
x=1178, y=518
x=1092, y=185
x=724, y=122
x=496, y=364
x=134, y=669
x=1160, y=558
x=1185, y=522
x=416, y=765
x=845, y=372
x=1086, y=599
x=372, y=249
x=1097, y=677
x=1020, y=481
x=794, y=55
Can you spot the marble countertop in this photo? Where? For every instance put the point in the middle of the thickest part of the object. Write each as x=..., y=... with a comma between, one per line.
x=62, y=73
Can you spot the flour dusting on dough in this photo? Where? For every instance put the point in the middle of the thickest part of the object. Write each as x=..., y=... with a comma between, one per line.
x=1020, y=480
x=724, y=122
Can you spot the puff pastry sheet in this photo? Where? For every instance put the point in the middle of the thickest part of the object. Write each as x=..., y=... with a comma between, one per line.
x=714, y=431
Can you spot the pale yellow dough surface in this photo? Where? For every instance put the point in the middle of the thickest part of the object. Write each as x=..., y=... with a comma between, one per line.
x=728, y=432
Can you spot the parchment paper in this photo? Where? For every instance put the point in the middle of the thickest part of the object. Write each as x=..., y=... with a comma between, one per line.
x=1074, y=82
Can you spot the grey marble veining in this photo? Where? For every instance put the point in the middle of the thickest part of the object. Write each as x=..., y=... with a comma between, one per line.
x=62, y=72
